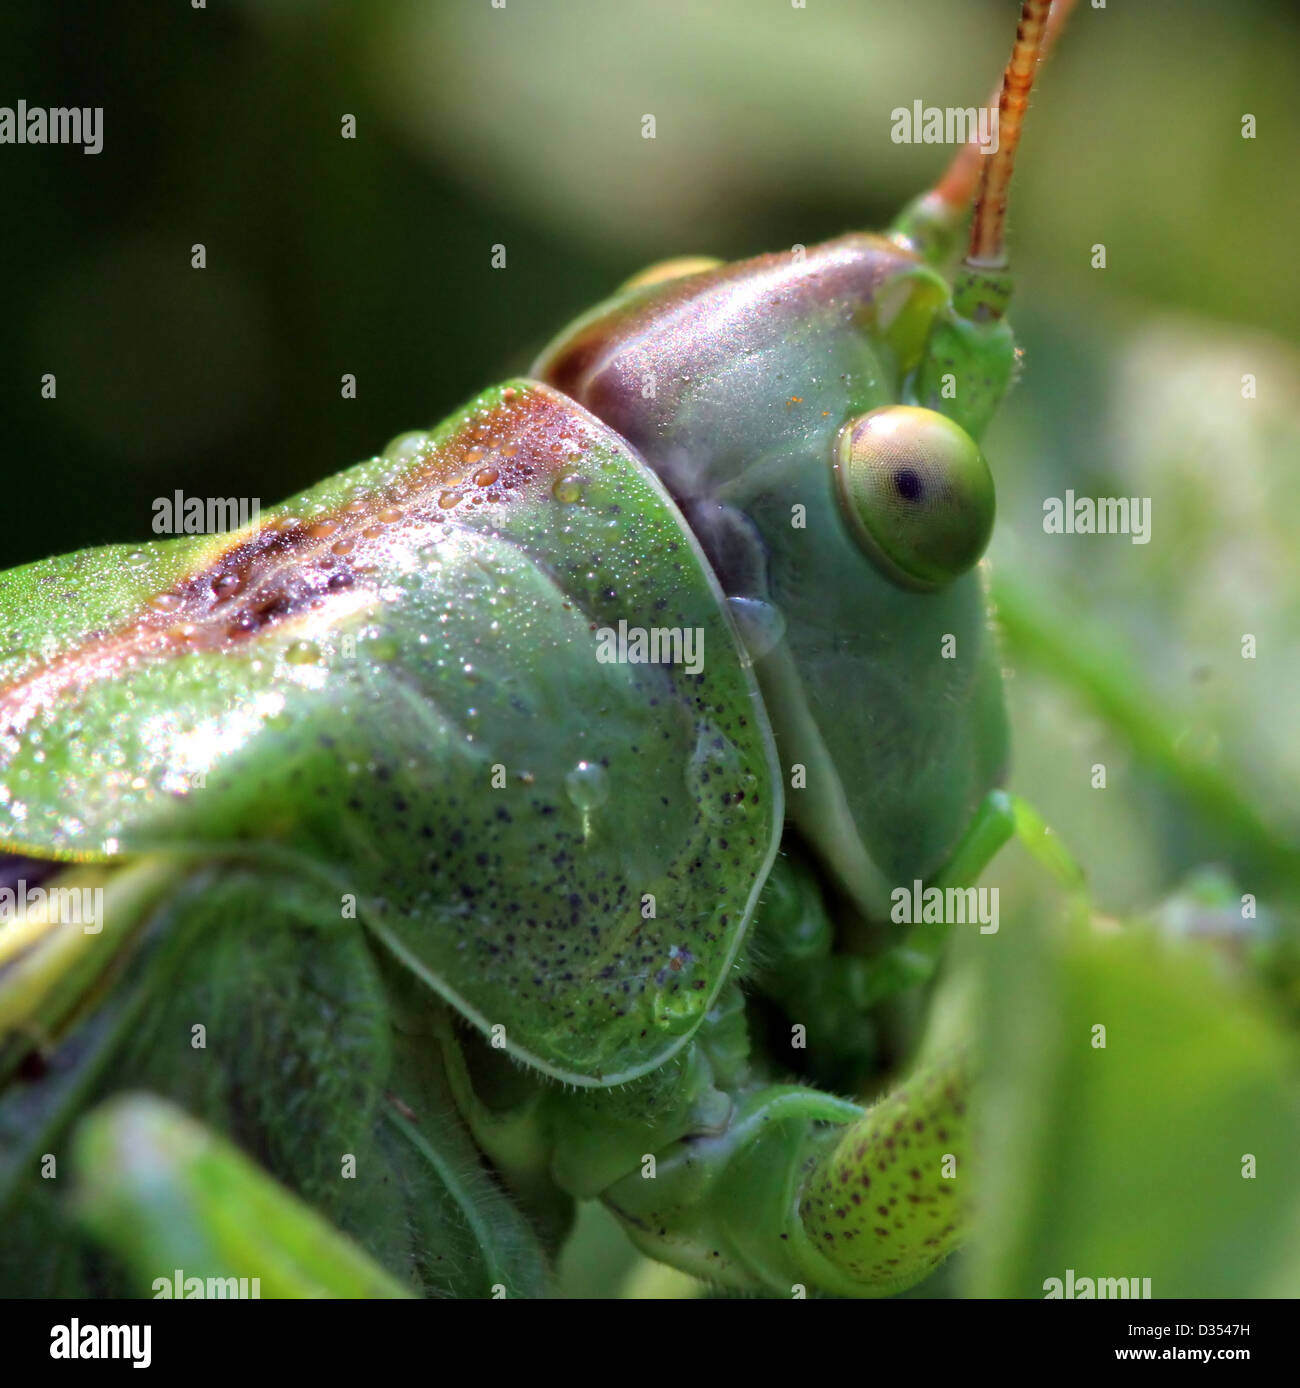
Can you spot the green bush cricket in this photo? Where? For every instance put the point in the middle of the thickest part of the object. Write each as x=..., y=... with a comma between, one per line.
x=479, y=799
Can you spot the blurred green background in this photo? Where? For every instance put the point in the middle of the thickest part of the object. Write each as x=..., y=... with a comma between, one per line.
x=522, y=127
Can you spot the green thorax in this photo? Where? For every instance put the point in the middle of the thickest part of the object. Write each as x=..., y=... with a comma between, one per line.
x=397, y=688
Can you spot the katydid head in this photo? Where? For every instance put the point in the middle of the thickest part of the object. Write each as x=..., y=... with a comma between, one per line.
x=795, y=408
x=816, y=414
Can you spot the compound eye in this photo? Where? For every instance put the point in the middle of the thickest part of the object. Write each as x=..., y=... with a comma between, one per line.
x=916, y=492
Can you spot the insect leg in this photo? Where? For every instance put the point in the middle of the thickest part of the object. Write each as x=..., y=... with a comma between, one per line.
x=804, y=1193
x=999, y=818
x=166, y=1193
x=248, y=997
x=823, y=994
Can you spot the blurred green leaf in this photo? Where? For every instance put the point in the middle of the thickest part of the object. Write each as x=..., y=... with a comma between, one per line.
x=1129, y=1160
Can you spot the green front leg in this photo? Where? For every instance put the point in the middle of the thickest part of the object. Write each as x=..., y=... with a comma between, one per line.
x=798, y=1191
x=802, y=1193
x=802, y=964
x=254, y=1002
x=749, y=1184
x=1000, y=818
x=169, y=1196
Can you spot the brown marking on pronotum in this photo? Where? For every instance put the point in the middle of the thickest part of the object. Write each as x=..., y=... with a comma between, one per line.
x=314, y=573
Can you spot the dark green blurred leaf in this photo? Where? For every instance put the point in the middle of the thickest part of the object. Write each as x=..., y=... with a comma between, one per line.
x=1127, y=1161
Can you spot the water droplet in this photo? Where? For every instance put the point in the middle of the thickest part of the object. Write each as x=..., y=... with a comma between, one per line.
x=372, y=532
x=568, y=489
x=587, y=785
x=164, y=602
x=137, y=556
x=323, y=531
x=449, y=499
x=761, y=624
x=485, y=476
x=390, y=515
x=342, y=547
x=225, y=584
x=588, y=788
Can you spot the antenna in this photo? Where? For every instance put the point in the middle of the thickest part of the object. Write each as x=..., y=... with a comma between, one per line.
x=987, y=243
x=929, y=225
x=957, y=187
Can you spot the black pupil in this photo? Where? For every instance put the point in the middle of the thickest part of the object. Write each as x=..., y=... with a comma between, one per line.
x=907, y=484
